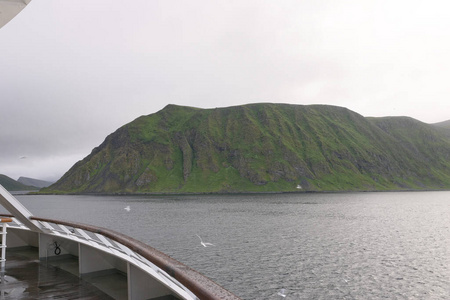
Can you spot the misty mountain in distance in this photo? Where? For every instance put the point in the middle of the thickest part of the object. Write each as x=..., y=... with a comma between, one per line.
x=264, y=148
x=34, y=182
x=12, y=185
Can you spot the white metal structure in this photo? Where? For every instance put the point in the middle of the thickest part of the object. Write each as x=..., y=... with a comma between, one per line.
x=95, y=252
x=3, y=245
x=150, y=274
x=10, y=8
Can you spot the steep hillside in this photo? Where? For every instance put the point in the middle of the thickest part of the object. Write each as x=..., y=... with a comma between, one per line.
x=263, y=148
x=13, y=185
x=443, y=127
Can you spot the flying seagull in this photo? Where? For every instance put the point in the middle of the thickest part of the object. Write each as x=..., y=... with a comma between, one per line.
x=23, y=157
x=282, y=293
x=127, y=208
x=203, y=243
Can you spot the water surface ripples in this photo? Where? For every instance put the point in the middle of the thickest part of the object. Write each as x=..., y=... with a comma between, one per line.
x=316, y=246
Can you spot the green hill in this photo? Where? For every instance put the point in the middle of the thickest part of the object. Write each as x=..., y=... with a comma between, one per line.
x=12, y=185
x=263, y=148
x=445, y=124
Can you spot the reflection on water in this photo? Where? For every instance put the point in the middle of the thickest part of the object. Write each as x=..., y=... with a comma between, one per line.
x=315, y=246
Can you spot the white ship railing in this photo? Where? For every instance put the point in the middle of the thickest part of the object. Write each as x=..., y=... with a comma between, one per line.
x=150, y=273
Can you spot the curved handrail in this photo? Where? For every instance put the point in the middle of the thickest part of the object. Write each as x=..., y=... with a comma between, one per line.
x=198, y=284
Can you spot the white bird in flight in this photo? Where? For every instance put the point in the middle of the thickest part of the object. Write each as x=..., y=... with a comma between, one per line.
x=282, y=293
x=127, y=208
x=203, y=243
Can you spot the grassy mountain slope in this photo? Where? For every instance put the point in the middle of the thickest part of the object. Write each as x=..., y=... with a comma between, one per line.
x=12, y=185
x=263, y=148
x=445, y=124
x=443, y=127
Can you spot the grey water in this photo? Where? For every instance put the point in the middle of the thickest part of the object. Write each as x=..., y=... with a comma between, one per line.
x=315, y=246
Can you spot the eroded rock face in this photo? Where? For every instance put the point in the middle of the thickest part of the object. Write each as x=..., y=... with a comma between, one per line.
x=263, y=147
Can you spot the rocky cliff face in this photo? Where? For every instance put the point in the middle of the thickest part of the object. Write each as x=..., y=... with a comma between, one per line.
x=263, y=148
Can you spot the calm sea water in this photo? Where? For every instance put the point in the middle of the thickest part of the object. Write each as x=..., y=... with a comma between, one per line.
x=316, y=246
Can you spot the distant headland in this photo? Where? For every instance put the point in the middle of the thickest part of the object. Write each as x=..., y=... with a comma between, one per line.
x=264, y=148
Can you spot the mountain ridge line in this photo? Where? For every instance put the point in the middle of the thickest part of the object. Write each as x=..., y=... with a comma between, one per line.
x=263, y=147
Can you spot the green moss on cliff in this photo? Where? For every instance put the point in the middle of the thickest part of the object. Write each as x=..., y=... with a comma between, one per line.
x=263, y=148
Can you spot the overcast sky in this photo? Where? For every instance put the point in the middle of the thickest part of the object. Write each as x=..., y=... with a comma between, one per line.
x=73, y=71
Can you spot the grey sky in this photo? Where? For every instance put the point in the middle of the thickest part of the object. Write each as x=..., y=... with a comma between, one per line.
x=74, y=71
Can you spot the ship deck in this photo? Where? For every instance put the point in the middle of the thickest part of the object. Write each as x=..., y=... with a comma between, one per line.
x=28, y=278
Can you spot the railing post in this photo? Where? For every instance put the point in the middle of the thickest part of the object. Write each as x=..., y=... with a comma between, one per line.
x=3, y=245
x=19, y=211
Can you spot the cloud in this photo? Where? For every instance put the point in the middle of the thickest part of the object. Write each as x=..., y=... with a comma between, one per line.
x=73, y=77
x=47, y=167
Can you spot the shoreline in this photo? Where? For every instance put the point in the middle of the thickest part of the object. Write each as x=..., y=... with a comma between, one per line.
x=231, y=193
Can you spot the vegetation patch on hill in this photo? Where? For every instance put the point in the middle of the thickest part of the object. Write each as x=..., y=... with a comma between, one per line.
x=263, y=148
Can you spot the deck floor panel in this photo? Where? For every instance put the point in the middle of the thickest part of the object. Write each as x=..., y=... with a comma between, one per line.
x=30, y=279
